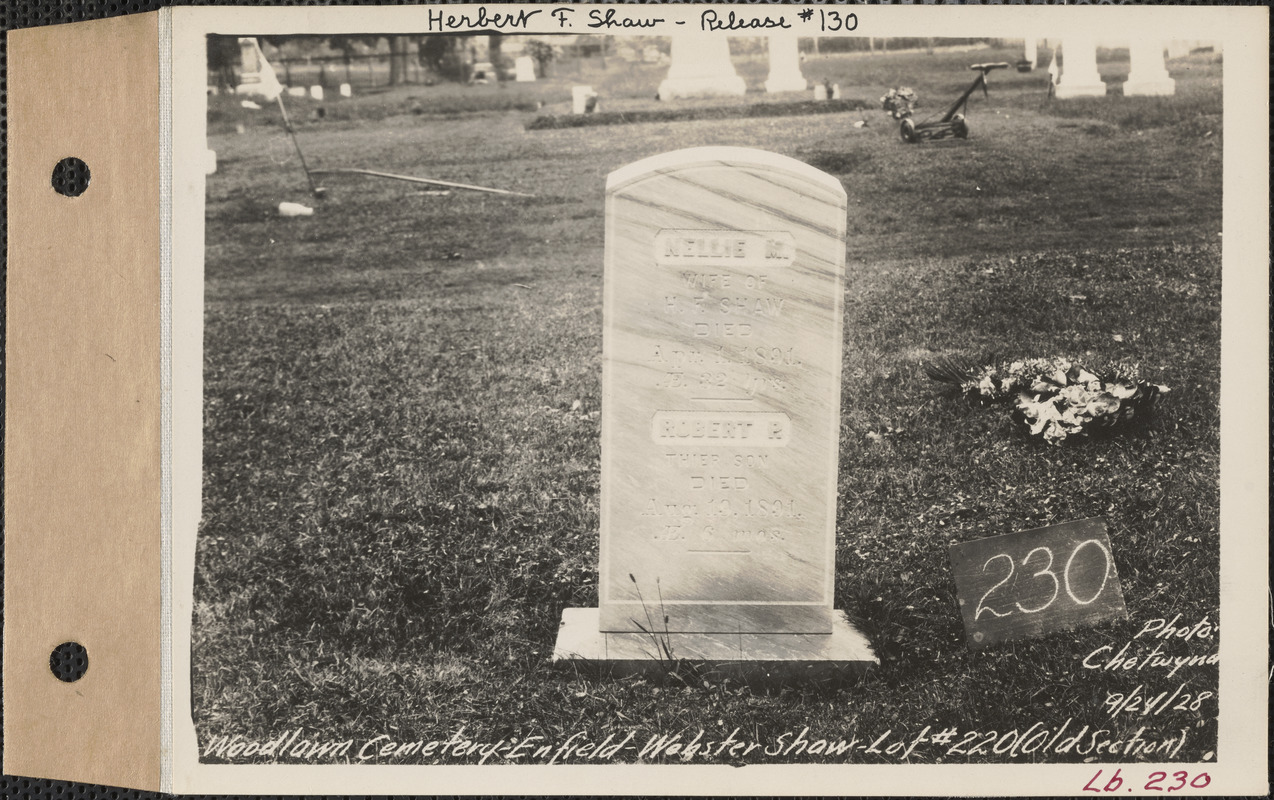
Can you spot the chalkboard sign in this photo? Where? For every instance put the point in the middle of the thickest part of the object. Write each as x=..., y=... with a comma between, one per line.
x=1030, y=583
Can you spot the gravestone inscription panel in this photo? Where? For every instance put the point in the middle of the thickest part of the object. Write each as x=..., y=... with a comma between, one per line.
x=721, y=393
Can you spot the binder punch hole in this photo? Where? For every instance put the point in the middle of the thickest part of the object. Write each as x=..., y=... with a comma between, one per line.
x=70, y=177
x=69, y=662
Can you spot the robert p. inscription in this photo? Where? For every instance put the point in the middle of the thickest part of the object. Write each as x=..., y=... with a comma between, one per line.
x=721, y=382
x=715, y=428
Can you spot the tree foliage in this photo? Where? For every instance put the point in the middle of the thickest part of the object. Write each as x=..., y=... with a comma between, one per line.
x=543, y=54
x=445, y=56
x=224, y=61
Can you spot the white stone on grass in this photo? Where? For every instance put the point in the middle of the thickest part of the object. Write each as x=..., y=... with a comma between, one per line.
x=524, y=69
x=785, y=64
x=700, y=67
x=1079, y=69
x=1148, y=75
x=721, y=371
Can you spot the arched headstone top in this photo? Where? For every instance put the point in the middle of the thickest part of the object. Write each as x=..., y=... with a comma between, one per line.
x=745, y=157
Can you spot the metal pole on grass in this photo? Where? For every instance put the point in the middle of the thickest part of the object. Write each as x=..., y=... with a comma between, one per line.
x=428, y=181
x=287, y=124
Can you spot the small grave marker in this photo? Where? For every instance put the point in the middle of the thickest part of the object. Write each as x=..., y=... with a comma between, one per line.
x=1034, y=582
x=583, y=100
x=524, y=69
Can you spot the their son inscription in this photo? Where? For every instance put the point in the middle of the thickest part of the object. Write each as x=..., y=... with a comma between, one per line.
x=721, y=393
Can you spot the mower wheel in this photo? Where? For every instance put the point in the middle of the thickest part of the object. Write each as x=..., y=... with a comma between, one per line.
x=908, y=131
x=959, y=127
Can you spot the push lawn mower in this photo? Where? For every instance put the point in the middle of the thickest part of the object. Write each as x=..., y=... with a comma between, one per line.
x=951, y=123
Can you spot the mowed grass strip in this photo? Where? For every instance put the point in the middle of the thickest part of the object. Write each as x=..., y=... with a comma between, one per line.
x=402, y=419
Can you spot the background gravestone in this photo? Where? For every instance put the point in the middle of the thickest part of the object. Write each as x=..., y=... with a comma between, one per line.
x=721, y=404
x=700, y=67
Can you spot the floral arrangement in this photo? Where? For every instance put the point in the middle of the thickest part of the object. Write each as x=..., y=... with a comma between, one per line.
x=899, y=102
x=1055, y=397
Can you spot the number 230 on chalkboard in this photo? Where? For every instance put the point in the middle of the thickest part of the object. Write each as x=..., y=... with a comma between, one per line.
x=1034, y=582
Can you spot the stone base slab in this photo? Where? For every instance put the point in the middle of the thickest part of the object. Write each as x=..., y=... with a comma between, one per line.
x=702, y=86
x=1158, y=88
x=787, y=83
x=1081, y=90
x=751, y=657
x=757, y=617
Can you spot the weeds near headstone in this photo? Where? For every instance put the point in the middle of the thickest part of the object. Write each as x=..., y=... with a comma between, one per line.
x=662, y=641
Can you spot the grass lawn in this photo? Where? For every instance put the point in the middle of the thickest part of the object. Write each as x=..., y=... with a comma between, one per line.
x=402, y=411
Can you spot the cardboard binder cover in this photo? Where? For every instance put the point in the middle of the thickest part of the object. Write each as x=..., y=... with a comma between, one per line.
x=82, y=412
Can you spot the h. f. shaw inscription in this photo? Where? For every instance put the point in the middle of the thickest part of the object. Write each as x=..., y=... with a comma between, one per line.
x=721, y=387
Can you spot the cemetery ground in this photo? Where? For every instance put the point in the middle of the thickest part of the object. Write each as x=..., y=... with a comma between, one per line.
x=402, y=419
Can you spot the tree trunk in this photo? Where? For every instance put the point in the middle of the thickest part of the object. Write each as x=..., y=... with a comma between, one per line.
x=397, y=60
x=494, y=42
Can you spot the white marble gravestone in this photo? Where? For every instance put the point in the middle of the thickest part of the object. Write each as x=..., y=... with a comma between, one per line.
x=1079, y=69
x=720, y=416
x=524, y=69
x=700, y=67
x=257, y=77
x=785, y=64
x=1148, y=75
x=580, y=96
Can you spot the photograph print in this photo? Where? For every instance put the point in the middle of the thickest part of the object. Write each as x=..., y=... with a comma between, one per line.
x=710, y=399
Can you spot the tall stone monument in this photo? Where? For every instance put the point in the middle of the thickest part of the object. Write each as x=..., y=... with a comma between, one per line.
x=1079, y=69
x=785, y=64
x=720, y=419
x=1148, y=75
x=257, y=76
x=700, y=67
